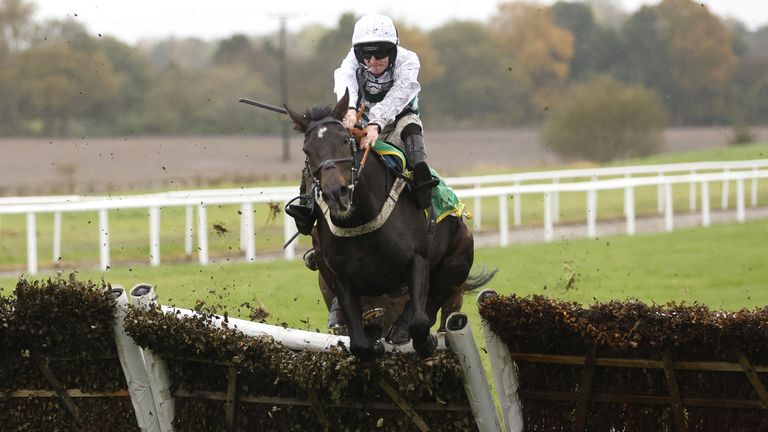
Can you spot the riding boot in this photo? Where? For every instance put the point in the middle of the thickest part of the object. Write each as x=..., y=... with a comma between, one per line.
x=423, y=182
x=303, y=209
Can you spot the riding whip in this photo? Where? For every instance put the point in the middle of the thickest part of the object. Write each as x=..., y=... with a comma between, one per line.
x=263, y=105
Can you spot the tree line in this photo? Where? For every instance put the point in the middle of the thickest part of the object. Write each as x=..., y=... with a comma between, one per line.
x=58, y=79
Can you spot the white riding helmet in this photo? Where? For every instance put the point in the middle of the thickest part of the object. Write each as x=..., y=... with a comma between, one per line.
x=375, y=35
x=374, y=28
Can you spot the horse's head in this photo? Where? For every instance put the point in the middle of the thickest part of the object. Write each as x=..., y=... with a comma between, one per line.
x=330, y=154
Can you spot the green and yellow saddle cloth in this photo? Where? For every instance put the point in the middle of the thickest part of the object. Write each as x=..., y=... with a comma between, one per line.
x=444, y=199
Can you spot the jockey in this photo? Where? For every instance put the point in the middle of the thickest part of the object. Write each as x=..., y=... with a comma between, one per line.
x=381, y=74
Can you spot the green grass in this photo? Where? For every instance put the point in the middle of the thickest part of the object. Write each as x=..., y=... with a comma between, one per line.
x=722, y=266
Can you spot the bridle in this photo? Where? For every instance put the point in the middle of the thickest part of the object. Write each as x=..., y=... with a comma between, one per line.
x=331, y=163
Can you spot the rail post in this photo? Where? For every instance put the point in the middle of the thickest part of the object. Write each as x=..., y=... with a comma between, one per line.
x=669, y=222
x=31, y=243
x=56, y=237
x=154, y=236
x=629, y=209
x=504, y=220
x=740, y=210
x=592, y=213
x=247, y=234
x=202, y=234
x=548, y=225
x=103, y=239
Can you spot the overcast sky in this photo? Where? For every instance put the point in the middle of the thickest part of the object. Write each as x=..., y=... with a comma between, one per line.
x=133, y=20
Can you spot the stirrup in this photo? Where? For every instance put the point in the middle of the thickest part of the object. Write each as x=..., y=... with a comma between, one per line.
x=429, y=184
x=421, y=173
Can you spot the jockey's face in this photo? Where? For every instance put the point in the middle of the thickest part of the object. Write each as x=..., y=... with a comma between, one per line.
x=377, y=66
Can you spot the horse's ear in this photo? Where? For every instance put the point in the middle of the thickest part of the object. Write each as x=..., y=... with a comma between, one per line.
x=341, y=108
x=300, y=122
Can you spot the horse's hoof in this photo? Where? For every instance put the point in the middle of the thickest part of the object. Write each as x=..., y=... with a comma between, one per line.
x=397, y=335
x=425, y=347
x=419, y=329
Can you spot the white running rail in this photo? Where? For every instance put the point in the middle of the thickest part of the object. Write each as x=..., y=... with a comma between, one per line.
x=596, y=173
x=508, y=185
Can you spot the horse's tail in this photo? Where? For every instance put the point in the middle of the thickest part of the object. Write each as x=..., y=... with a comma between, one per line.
x=479, y=278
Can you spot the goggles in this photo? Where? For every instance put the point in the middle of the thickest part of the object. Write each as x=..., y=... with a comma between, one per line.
x=380, y=51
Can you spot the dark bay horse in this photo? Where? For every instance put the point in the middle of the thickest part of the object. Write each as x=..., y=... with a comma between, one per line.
x=373, y=240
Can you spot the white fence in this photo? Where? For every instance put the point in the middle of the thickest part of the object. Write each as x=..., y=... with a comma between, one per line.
x=594, y=174
x=661, y=176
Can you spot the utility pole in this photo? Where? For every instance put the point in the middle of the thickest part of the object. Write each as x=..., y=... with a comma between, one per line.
x=284, y=87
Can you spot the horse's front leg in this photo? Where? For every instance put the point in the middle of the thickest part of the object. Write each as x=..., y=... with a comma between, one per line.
x=350, y=304
x=423, y=342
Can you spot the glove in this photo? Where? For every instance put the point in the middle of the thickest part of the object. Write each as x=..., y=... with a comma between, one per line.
x=350, y=118
x=371, y=135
